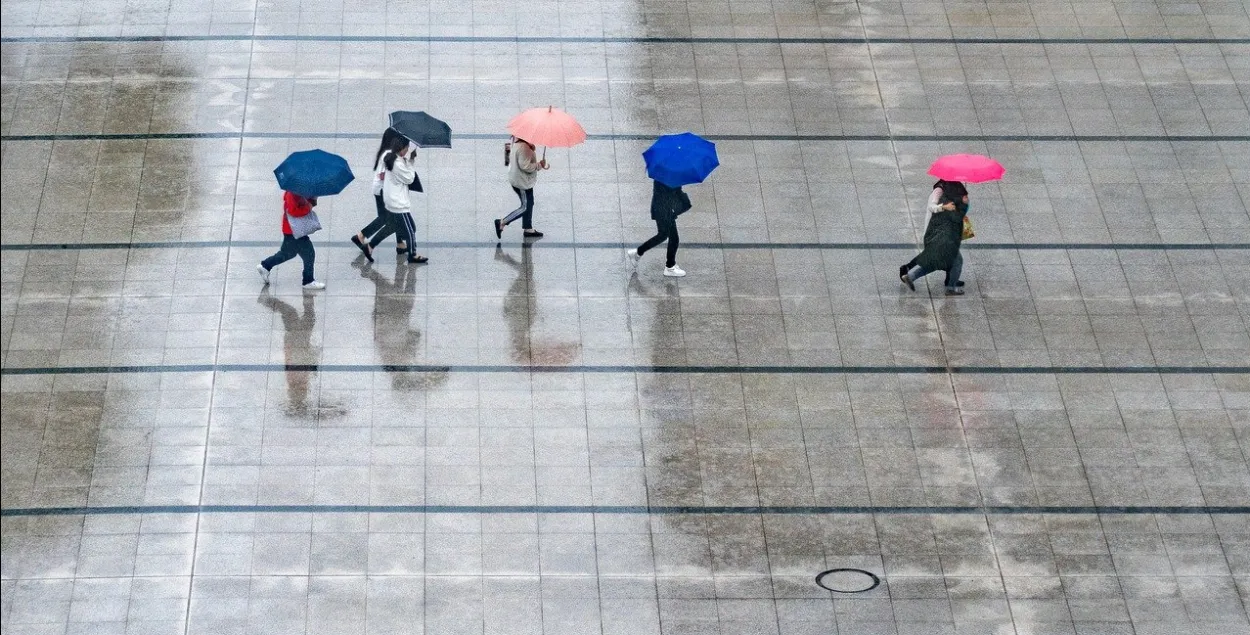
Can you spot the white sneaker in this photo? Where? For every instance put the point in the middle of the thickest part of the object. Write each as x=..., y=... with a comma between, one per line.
x=315, y=286
x=264, y=273
x=674, y=271
x=631, y=257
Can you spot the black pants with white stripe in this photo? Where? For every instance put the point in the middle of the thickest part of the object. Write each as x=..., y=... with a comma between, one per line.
x=525, y=212
x=405, y=230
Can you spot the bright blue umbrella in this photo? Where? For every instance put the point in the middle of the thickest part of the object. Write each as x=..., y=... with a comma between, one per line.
x=314, y=173
x=680, y=159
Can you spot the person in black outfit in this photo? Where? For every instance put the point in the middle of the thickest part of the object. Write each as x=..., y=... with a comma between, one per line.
x=667, y=203
x=942, y=239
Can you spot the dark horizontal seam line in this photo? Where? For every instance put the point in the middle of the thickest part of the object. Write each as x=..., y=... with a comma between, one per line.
x=156, y=136
x=625, y=509
x=626, y=368
x=504, y=39
x=831, y=246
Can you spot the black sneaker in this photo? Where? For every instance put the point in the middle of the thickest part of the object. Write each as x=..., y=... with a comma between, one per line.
x=533, y=233
x=498, y=228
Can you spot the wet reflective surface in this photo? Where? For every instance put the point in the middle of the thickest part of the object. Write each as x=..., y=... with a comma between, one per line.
x=527, y=437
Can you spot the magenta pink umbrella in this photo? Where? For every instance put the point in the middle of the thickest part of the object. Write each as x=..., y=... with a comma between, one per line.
x=967, y=168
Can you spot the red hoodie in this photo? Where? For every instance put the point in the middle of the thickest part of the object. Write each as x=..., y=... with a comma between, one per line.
x=296, y=206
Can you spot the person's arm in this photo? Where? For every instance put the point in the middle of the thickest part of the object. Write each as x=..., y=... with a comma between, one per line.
x=526, y=159
x=296, y=206
x=935, y=202
x=403, y=171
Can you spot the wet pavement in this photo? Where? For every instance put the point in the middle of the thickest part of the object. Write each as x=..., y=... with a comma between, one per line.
x=529, y=438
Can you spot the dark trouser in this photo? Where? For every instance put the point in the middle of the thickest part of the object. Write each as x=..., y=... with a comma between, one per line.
x=379, y=228
x=525, y=212
x=292, y=247
x=666, y=230
x=404, y=229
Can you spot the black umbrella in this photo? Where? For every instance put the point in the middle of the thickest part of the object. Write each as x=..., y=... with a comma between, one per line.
x=421, y=129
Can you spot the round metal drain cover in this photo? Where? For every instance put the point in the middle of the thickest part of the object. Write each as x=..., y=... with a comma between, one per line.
x=848, y=580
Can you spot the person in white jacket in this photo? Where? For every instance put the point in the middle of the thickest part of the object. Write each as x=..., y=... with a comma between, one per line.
x=371, y=235
x=523, y=167
x=399, y=174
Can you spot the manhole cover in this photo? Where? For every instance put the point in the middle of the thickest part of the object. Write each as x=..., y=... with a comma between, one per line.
x=848, y=580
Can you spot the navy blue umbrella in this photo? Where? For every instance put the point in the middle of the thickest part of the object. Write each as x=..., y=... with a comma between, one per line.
x=314, y=173
x=421, y=129
x=680, y=159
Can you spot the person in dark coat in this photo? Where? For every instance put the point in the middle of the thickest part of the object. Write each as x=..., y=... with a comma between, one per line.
x=667, y=203
x=942, y=239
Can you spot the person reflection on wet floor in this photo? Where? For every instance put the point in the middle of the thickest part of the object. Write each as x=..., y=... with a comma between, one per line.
x=396, y=340
x=297, y=348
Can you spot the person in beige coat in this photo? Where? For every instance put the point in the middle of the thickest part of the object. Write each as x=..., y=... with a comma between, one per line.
x=523, y=167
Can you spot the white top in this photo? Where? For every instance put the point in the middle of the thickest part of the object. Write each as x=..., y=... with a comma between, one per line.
x=379, y=174
x=935, y=204
x=523, y=168
x=395, y=184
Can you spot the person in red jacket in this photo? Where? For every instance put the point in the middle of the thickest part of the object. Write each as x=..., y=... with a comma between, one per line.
x=293, y=205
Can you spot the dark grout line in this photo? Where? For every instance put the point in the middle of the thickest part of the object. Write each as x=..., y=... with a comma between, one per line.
x=503, y=39
x=157, y=136
x=627, y=368
x=453, y=244
x=623, y=509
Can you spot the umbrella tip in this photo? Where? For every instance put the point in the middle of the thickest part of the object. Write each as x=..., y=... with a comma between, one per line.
x=549, y=108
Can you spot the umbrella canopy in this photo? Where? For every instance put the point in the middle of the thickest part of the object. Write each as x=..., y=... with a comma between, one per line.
x=968, y=168
x=421, y=129
x=548, y=126
x=680, y=159
x=314, y=173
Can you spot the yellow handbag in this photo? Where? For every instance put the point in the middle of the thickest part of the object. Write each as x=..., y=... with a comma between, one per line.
x=968, y=232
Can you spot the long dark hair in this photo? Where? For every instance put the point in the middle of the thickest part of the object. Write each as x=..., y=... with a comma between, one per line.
x=954, y=191
x=388, y=139
x=398, y=143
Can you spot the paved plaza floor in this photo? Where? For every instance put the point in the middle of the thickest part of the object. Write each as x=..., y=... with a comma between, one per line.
x=530, y=438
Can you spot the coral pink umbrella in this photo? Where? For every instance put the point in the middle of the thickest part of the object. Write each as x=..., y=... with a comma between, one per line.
x=968, y=168
x=550, y=127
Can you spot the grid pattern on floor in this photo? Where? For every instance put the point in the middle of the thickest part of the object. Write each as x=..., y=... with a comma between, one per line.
x=535, y=439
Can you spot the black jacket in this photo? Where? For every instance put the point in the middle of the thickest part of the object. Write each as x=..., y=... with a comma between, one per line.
x=942, y=239
x=668, y=202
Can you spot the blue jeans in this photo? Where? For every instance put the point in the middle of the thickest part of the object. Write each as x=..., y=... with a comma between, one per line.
x=292, y=247
x=952, y=274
